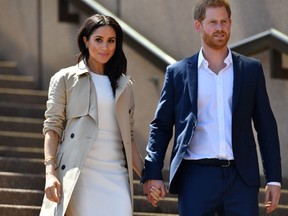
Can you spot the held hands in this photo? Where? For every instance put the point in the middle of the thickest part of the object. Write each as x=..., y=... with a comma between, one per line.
x=154, y=191
x=272, y=196
x=52, y=188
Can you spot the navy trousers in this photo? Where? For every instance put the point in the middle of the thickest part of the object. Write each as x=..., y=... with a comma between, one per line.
x=209, y=190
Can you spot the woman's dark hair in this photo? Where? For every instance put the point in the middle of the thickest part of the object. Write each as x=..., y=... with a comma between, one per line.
x=117, y=64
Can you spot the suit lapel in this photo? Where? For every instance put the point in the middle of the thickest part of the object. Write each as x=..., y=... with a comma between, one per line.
x=238, y=72
x=192, y=72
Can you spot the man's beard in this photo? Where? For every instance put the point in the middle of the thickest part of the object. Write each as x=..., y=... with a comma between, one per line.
x=216, y=43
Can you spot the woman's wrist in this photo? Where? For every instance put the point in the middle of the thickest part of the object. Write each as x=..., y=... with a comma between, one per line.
x=49, y=160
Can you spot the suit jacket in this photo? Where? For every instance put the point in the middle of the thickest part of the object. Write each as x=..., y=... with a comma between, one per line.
x=178, y=108
x=72, y=113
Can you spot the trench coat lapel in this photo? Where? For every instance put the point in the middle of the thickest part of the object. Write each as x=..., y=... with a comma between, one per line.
x=122, y=83
x=89, y=88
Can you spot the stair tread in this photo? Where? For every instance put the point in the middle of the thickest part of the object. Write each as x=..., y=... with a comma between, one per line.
x=18, y=190
x=20, y=206
x=21, y=119
x=21, y=174
x=6, y=63
x=152, y=214
x=21, y=134
x=23, y=105
x=21, y=149
x=12, y=77
x=23, y=91
x=21, y=159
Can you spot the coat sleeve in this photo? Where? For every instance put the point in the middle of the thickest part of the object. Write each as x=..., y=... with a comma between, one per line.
x=56, y=105
x=161, y=131
x=267, y=133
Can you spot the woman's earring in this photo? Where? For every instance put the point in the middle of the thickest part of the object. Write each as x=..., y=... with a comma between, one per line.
x=86, y=46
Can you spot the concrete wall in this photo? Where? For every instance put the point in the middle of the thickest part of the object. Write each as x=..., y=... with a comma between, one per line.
x=19, y=34
x=32, y=36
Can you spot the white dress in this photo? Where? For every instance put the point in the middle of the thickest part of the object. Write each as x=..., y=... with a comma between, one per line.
x=103, y=187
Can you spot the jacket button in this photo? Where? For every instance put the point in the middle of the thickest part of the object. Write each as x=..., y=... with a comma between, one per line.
x=72, y=135
x=63, y=167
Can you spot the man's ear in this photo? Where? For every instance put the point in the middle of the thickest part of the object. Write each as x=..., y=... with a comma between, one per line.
x=197, y=25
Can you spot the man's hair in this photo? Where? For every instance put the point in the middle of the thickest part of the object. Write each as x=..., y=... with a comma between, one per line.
x=200, y=9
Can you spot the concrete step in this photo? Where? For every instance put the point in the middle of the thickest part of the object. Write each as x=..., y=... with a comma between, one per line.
x=21, y=152
x=13, y=196
x=283, y=199
x=22, y=181
x=168, y=205
x=282, y=210
x=152, y=214
x=23, y=96
x=22, y=165
x=8, y=67
x=19, y=210
x=22, y=110
x=21, y=139
x=21, y=124
x=17, y=81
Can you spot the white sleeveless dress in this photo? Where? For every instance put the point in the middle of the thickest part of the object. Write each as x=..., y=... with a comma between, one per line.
x=103, y=187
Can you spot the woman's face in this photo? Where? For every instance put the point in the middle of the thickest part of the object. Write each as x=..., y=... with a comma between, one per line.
x=101, y=46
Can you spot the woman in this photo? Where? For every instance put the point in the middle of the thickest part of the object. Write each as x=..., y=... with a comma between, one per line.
x=89, y=149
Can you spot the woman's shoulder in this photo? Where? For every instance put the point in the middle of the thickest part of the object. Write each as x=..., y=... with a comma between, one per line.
x=126, y=79
x=71, y=71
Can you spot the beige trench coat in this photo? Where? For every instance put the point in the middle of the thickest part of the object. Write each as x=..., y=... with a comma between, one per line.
x=72, y=113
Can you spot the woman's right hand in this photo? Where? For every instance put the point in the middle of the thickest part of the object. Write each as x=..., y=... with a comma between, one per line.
x=52, y=188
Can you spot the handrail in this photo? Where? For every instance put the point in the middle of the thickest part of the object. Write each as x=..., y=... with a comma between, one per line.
x=270, y=39
x=92, y=6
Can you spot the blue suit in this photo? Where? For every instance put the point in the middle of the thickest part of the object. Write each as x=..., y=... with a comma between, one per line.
x=178, y=108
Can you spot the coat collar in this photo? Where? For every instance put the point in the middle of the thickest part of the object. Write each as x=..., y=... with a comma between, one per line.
x=82, y=68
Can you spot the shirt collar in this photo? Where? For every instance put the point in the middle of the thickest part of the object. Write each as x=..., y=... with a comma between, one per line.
x=201, y=60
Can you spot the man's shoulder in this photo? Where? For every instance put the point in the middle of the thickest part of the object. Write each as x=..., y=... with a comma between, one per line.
x=244, y=58
x=184, y=62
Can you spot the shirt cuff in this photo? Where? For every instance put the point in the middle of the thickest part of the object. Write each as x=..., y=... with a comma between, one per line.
x=274, y=183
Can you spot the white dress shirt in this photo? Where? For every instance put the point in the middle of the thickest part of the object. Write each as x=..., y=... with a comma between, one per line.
x=212, y=137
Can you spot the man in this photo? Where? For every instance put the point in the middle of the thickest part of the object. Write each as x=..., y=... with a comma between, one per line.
x=211, y=99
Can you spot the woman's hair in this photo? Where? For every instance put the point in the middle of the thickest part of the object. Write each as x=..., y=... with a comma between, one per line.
x=117, y=64
x=200, y=9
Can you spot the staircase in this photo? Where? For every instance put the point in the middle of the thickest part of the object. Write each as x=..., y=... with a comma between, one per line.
x=21, y=143
x=21, y=153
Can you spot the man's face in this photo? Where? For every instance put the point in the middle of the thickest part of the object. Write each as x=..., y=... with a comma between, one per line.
x=215, y=28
